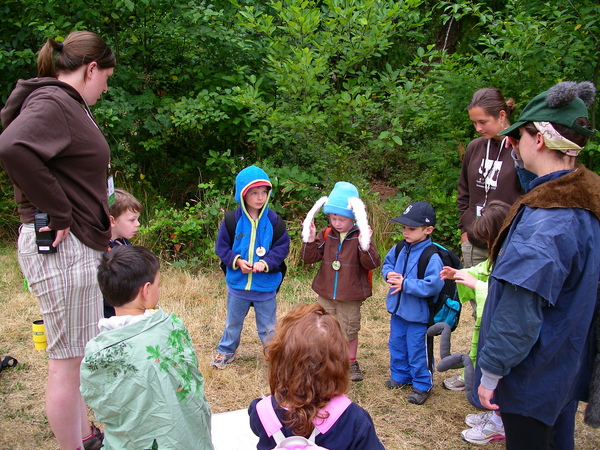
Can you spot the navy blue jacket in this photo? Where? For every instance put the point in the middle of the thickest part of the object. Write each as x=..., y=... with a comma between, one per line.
x=354, y=430
x=536, y=325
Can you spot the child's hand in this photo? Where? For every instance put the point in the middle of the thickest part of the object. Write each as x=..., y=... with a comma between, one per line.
x=259, y=267
x=465, y=278
x=313, y=232
x=391, y=276
x=244, y=266
x=395, y=281
x=448, y=273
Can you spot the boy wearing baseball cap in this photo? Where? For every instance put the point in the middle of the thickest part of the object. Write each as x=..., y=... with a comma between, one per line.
x=407, y=302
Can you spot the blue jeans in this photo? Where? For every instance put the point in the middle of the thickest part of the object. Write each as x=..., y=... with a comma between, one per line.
x=237, y=310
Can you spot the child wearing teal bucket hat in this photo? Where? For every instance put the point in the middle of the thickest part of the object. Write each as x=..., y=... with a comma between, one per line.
x=347, y=255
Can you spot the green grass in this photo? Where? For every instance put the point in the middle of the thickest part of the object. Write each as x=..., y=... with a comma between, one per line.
x=199, y=299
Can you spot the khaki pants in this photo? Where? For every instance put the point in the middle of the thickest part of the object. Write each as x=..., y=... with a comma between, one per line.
x=346, y=313
x=472, y=256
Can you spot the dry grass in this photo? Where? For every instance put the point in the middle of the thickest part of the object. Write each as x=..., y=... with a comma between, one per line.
x=200, y=301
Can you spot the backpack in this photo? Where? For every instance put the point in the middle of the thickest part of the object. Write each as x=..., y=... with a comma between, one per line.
x=278, y=231
x=272, y=424
x=369, y=272
x=446, y=307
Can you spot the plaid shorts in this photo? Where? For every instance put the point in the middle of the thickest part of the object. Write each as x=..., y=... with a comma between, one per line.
x=66, y=286
x=347, y=314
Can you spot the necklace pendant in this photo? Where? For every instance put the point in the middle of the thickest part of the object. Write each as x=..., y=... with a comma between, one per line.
x=260, y=251
x=336, y=265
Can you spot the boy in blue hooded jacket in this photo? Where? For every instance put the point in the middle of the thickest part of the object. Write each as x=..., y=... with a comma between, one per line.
x=252, y=262
x=407, y=302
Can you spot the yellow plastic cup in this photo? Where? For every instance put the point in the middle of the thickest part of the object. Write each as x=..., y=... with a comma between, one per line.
x=39, y=334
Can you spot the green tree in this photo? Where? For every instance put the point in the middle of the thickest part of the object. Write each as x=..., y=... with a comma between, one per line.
x=317, y=91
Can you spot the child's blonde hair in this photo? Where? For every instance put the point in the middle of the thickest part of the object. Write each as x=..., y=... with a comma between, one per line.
x=124, y=201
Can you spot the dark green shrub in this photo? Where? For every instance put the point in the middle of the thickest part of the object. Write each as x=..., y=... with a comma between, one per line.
x=9, y=225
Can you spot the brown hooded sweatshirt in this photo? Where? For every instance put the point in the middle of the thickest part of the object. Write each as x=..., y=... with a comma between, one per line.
x=476, y=165
x=57, y=159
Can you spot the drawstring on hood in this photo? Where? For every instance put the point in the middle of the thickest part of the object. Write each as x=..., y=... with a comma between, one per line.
x=248, y=178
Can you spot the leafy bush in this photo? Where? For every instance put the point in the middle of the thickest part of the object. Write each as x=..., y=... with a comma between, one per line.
x=8, y=210
x=318, y=91
x=186, y=236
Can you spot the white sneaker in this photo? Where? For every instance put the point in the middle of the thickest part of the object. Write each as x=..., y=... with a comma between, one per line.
x=474, y=420
x=455, y=383
x=484, y=433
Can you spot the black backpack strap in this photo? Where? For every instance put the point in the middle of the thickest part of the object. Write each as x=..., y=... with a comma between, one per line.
x=398, y=247
x=230, y=224
x=428, y=252
x=278, y=230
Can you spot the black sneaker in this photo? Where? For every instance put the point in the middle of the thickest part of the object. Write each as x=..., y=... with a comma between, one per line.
x=391, y=384
x=417, y=397
x=94, y=442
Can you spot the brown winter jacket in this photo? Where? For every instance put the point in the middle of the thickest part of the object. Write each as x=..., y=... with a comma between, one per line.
x=352, y=279
x=57, y=159
x=471, y=185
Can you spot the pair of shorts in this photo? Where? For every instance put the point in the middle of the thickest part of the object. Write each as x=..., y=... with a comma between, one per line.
x=66, y=286
x=346, y=313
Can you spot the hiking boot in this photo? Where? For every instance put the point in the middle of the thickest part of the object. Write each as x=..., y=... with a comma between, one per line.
x=455, y=383
x=417, y=397
x=474, y=420
x=355, y=372
x=94, y=441
x=484, y=433
x=391, y=384
x=221, y=361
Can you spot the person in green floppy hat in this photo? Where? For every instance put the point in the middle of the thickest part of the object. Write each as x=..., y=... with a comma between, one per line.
x=564, y=104
x=535, y=350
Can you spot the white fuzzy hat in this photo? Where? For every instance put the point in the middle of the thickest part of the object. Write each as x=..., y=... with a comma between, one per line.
x=354, y=205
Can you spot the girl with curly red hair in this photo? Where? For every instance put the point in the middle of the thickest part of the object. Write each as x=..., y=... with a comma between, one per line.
x=308, y=377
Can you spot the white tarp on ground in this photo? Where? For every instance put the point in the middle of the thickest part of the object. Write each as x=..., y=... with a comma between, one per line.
x=231, y=431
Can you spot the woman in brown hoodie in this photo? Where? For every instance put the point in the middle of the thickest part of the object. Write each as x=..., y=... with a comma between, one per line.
x=57, y=158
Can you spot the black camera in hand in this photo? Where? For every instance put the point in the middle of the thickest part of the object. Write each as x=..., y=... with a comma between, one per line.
x=43, y=239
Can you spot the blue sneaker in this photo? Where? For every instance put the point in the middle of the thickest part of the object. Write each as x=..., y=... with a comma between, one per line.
x=221, y=361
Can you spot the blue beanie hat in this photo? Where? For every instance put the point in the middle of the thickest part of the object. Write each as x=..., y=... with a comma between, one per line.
x=337, y=202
